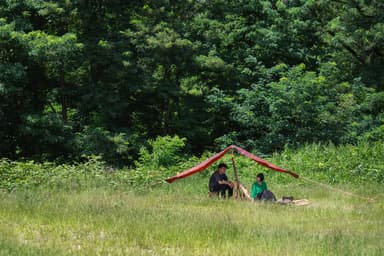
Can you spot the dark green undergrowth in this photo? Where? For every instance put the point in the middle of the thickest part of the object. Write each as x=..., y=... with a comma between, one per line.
x=348, y=164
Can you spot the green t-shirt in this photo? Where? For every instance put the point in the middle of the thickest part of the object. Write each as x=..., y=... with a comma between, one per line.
x=258, y=188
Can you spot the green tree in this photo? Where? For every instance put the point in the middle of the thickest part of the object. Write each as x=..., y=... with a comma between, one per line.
x=357, y=39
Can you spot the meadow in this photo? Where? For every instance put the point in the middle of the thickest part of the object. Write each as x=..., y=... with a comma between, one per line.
x=92, y=215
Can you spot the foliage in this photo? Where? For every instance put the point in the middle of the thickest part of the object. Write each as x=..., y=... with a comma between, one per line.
x=162, y=159
x=336, y=164
x=301, y=107
x=328, y=164
x=113, y=147
x=165, y=152
x=30, y=175
x=344, y=165
x=81, y=78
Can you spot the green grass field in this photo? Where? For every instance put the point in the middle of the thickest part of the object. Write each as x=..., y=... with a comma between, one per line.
x=91, y=209
x=180, y=219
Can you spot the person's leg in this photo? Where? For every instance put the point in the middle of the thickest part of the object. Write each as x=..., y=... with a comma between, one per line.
x=219, y=189
x=268, y=195
x=230, y=191
x=222, y=189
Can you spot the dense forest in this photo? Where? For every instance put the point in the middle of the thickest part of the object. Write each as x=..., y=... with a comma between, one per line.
x=106, y=77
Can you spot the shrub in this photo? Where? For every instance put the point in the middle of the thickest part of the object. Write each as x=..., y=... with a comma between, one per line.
x=161, y=159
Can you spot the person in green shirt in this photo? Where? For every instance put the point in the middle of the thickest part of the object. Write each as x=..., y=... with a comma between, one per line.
x=260, y=190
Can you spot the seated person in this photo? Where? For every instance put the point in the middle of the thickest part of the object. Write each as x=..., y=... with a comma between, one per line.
x=260, y=190
x=219, y=181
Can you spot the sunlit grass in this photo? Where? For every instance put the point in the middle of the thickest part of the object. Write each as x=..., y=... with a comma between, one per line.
x=83, y=210
x=170, y=220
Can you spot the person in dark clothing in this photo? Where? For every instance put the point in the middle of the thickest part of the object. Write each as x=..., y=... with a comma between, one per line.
x=218, y=182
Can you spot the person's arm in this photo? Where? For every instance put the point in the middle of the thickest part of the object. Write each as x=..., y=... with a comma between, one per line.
x=226, y=182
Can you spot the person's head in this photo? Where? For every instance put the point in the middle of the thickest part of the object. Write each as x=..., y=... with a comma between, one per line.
x=260, y=177
x=222, y=167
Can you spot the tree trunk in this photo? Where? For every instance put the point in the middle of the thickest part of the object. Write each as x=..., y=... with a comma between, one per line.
x=64, y=106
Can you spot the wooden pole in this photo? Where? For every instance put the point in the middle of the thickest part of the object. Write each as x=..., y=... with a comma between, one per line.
x=245, y=192
x=236, y=188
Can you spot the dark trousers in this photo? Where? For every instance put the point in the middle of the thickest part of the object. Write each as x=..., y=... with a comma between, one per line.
x=222, y=188
x=265, y=195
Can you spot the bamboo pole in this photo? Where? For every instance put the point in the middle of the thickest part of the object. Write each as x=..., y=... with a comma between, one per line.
x=236, y=188
x=245, y=192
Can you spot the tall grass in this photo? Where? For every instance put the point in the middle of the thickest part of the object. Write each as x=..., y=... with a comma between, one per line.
x=171, y=222
x=92, y=209
x=342, y=164
x=326, y=163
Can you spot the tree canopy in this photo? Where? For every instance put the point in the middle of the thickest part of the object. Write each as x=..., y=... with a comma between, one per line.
x=81, y=78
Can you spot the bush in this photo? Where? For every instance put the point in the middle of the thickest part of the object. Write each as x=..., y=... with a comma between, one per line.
x=162, y=158
x=325, y=163
x=336, y=164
